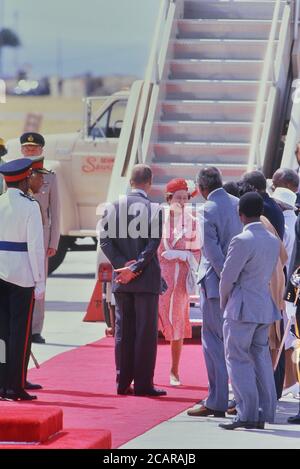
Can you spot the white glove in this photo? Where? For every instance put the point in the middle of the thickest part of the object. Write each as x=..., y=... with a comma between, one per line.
x=290, y=309
x=173, y=255
x=39, y=291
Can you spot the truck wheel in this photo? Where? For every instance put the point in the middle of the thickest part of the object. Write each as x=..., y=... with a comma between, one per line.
x=55, y=261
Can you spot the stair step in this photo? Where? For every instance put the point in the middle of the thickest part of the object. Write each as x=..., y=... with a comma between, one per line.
x=233, y=90
x=240, y=111
x=204, y=131
x=239, y=9
x=200, y=152
x=162, y=173
x=224, y=29
x=216, y=69
x=235, y=49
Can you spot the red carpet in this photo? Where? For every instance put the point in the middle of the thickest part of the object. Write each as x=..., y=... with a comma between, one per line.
x=82, y=383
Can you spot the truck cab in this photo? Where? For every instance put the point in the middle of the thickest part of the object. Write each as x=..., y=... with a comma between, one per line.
x=83, y=163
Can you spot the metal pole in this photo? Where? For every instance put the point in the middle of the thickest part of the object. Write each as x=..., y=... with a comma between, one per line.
x=296, y=20
x=2, y=12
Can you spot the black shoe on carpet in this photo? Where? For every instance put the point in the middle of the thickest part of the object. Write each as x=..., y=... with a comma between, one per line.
x=151, y=393
x=22, y=395
x=31, y=386
x=38, y=339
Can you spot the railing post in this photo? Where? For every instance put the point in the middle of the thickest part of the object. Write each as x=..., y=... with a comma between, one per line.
x=296, y=19
x=254, y=156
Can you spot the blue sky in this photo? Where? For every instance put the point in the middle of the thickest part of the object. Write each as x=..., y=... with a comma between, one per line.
x=78, y=36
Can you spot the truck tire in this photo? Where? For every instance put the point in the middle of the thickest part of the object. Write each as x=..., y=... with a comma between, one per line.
x=55, y=261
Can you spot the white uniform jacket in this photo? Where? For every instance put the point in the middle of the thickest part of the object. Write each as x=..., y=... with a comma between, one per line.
x=22, y=253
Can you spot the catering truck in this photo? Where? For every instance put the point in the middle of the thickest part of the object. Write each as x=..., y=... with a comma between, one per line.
x=83, y=163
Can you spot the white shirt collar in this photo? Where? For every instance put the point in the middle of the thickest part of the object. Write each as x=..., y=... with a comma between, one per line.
x=140, y=191
x=251, y=224
x=213, y=192
x=14, y=190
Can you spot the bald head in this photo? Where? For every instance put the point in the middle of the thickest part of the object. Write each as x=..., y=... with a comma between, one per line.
x=287, y=178
x=141, y=177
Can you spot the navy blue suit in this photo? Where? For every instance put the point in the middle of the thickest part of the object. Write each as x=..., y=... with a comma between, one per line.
x=137, y=301
x=274, y=214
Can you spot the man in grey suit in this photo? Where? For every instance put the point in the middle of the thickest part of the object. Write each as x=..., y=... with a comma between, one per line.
x=130, y=236
x=221, y=224
x=248, y=311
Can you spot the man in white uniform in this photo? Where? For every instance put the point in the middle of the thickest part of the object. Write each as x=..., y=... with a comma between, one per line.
x=22, y=276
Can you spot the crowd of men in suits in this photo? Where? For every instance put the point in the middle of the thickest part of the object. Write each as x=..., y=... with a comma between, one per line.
x=239, y=258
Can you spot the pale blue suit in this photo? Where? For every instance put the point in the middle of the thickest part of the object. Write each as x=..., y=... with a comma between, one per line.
x=221, y=224
x=248, y=311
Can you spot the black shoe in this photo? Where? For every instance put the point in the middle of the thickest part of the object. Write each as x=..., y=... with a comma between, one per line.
x=38, y=339
x=260, y=425
x=30, y=386
x=295, y=419
x=238, y=424
x=2, y=393
x=126, y=392
x=22, y=395
x=151, y=393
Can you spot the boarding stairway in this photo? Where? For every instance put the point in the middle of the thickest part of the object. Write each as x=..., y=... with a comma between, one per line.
x=214, y=93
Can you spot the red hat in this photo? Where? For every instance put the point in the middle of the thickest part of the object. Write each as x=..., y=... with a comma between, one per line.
x=181, y=185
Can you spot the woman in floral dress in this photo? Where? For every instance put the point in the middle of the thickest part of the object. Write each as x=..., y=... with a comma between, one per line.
x=179, y=255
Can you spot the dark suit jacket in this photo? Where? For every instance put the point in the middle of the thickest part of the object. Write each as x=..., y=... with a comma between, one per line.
x=120, y=245
x=274, y=214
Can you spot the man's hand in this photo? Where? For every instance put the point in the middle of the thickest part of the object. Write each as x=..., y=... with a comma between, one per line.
x=125, y=275
x=129, y=263
x=51, y=252
x=39, y=291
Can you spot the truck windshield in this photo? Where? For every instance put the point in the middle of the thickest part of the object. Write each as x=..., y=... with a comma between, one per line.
x=109, y=124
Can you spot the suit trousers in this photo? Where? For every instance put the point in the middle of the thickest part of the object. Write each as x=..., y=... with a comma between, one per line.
x=16, y=306
x=213, y=349
x=250, y=370
x=136, y=339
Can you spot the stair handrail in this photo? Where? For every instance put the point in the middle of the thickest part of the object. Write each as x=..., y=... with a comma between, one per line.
x=254, y=155
x=296, y=21
x=131, y=150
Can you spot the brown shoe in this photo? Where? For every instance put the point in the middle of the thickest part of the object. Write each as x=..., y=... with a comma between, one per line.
x=203, y=411
x=232, y=411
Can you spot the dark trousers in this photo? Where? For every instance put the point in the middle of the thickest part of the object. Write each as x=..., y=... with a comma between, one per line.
x=279, y=373
x=136, y=339
x=16, y=306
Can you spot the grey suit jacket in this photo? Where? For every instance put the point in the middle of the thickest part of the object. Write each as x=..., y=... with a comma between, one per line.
x=221, y=224
x=245, y=279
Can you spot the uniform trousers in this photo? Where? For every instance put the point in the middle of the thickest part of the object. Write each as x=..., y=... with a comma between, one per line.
x=16, y=306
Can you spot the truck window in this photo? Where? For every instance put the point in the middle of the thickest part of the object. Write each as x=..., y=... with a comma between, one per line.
x=109, y=124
